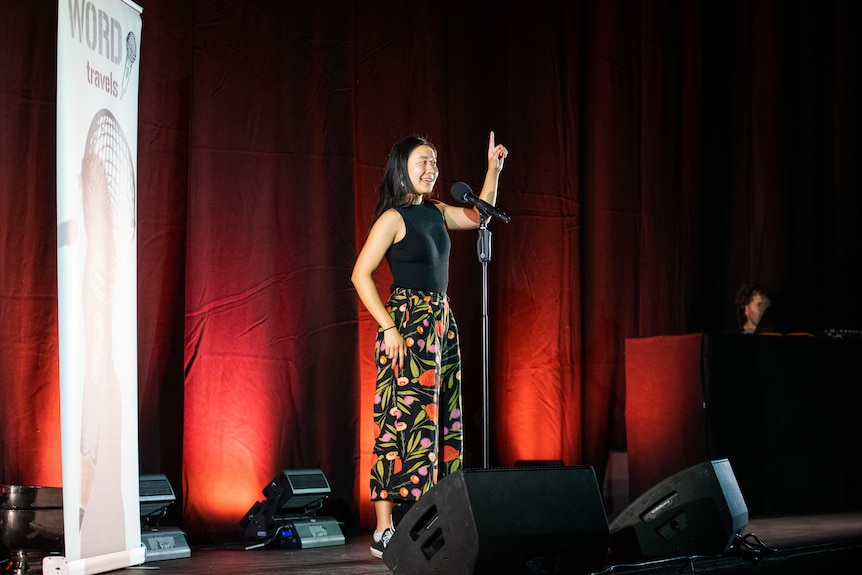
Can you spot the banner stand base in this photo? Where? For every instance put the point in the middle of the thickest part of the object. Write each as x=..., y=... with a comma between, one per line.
x=57, y=564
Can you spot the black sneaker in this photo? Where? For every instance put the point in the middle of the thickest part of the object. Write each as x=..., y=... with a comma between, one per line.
x=377, y=547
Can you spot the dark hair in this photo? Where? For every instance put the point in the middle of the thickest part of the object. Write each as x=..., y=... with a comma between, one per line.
x=395, y=189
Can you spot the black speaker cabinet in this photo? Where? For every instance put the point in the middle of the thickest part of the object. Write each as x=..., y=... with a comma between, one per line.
x=698, y=511
x=504, y=521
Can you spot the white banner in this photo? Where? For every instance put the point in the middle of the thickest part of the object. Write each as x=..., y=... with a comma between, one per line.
x=98, y=49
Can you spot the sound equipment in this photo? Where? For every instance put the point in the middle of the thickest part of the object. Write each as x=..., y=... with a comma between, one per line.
x=504, y=521
x=698, y=511
x=539, y=463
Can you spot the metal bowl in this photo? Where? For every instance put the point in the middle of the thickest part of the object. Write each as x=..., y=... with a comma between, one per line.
x=30, y=497
x=31, y=524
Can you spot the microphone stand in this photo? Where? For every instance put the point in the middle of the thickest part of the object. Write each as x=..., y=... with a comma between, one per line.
x=483, y=246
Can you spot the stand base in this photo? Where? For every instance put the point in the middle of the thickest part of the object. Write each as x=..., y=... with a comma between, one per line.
x=305, y=533
x=165, y=543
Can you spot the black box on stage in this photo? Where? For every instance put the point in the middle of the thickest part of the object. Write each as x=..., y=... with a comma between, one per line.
x=504, y=521
x=698, y=511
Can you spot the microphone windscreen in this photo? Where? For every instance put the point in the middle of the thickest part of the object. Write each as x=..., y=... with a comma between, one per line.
x=460, y=191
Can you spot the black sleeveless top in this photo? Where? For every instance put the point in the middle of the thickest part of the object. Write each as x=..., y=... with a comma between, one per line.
x=420, y=261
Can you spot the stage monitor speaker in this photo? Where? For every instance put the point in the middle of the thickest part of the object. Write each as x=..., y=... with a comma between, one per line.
x=698, y=511
x=504, y=521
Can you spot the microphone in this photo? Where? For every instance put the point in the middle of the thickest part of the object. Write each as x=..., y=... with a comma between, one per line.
x=131, y=56
x=463, y=192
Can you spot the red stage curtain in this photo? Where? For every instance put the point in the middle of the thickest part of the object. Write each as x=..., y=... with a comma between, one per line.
x=661, y=154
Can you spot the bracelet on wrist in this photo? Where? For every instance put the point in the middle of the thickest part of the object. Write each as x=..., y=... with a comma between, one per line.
x=390, y=327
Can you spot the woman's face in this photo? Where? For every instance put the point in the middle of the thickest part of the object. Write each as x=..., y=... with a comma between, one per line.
x=422, y=169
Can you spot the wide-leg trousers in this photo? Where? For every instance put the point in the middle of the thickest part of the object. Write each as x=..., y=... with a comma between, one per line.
x=417, y=407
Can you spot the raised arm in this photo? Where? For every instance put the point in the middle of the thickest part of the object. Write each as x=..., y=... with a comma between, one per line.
x=462, y=218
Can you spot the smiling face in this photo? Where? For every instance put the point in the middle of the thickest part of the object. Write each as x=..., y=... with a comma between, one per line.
x=422, y=170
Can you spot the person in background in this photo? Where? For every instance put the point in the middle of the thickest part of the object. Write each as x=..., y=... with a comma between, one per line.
x=752, y=301
x=417, y=401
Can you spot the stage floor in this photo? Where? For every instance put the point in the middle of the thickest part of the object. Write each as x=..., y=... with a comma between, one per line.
x=814, y=545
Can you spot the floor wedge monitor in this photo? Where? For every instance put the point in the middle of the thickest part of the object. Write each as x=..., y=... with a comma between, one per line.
x=698, y=511
x=504, y=521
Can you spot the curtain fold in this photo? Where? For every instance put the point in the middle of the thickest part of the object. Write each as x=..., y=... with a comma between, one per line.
x=662, y=153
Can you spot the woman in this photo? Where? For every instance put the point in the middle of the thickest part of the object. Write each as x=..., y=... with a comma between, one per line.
x=417, y=403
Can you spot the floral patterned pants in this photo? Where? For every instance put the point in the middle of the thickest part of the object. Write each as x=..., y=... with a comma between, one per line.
x=417, y=408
